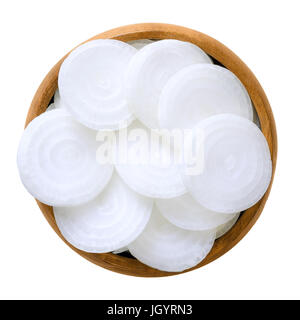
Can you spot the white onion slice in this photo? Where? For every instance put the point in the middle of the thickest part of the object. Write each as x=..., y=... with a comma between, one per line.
x=51, y=107
x=57, y=100
x=256, y=118
x=139, y=44
x=237, y=166
x=184, y=212
x=121, y=250
x=166, y=247
x=151, y=68
x=57, y=160
x=151, y=178
x=90, y=83
x=199, y=91
x=224, y=228
x=112, y=220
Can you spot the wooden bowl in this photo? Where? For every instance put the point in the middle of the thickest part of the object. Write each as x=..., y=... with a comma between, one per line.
x=225, y=57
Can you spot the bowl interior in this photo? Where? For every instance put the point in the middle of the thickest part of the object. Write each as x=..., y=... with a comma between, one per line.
x=221, y=55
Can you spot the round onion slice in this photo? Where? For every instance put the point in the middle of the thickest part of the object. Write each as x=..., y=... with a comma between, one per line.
x=150, y=69
x=199, y=91
x=224, y=228
x=90, y=83
x=57, y=160
x=237, y=166
x=256, y=118
x=112, y=220
x=139, y=44
x=166, y=247
x=51, y=107
x=57, y=100
x=184, y=212
x=121, y=250
x=152, y=174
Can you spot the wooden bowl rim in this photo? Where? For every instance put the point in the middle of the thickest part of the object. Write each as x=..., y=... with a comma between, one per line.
x=232, y=62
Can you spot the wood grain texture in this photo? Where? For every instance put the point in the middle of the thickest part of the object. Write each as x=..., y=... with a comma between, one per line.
x=226, y=57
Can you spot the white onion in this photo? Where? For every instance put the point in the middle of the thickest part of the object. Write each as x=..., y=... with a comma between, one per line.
x=121, y=250
x=151, y=68
x=139, y=44
x=186, y=213
x=57, y=100
x=51, y=107
x=237, y=166
x=57, y=160
x=166, y=247
x=104, y=85
x=199, y=91
x=256, y=118
x=90, y=83
x=152, y=179
x=224, y=228
x=112, y=220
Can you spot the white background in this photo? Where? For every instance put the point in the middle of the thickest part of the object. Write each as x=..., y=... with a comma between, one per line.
x=35, y=263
